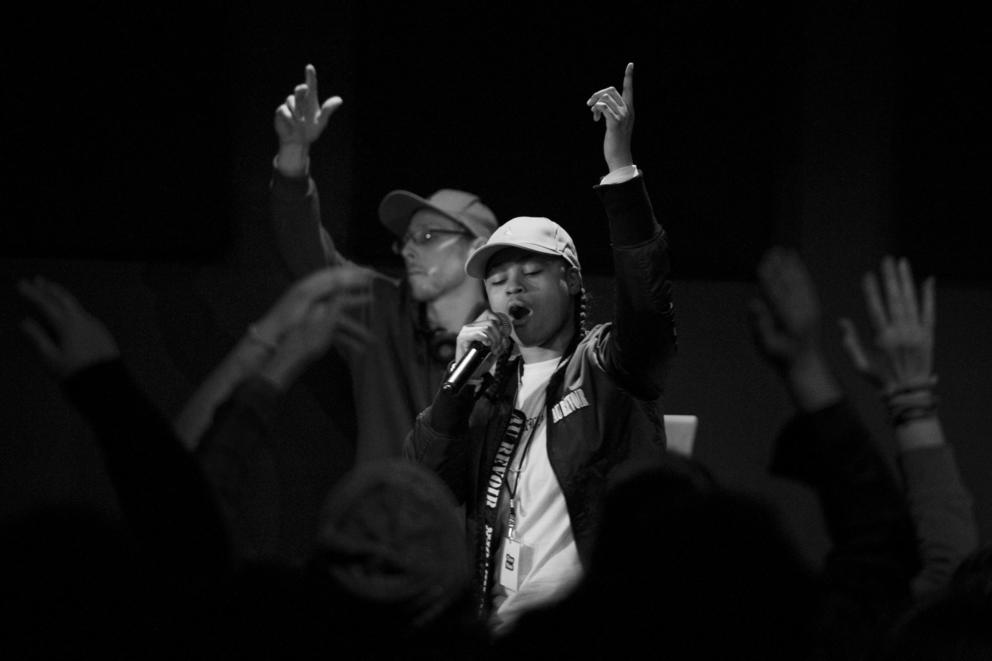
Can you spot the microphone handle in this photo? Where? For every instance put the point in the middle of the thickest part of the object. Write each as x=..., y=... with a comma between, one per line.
x=465, y=368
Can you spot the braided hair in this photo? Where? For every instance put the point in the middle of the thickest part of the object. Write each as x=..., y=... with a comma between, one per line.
x=581, y=309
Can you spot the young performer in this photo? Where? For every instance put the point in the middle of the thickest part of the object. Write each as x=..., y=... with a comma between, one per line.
x=531, y=444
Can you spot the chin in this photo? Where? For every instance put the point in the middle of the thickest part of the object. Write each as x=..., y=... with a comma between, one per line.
x=421, y=291
x=528, y=339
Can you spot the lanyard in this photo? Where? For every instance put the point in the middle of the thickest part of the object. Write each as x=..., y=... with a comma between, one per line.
x=513, y=485
x=497, y=474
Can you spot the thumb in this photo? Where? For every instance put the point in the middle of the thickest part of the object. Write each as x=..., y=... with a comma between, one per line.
x=852, y=345
x=763, y=329
x=328, y=108
x=42, y=342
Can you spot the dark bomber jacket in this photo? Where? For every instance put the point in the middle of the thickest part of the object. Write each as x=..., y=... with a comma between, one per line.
x=604, y=401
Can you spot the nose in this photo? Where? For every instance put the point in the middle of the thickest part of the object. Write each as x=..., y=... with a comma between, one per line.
x=514, y=285
x=407, y=250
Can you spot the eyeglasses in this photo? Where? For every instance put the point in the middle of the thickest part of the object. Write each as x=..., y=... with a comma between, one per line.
x=424, y=237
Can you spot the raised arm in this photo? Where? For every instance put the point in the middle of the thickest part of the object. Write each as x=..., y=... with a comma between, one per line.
x=236, y=449
x=641, y=344
x=296, y=330
x=827, y=447
x=786, y=325
x=162, y=491
x=303, y=242
x=900, y=364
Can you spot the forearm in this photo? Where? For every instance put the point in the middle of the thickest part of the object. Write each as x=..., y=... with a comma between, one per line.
x=942, y=513
x=293, y=160
x=643, y=339
x=162, y=490
x=245, y=359
x=238, y=460
x=918, y=434
x=439, y=439
x=811, y=384
x=302, y=241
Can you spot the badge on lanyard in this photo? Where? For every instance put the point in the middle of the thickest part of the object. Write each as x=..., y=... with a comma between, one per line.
x=513, y=550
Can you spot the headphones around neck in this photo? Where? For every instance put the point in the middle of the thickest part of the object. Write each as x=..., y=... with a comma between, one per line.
x=440, y=345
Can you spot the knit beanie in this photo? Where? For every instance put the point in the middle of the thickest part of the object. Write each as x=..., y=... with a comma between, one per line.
x=390, y=536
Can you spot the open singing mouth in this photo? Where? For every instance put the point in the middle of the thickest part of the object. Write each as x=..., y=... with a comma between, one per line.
x=518, y=311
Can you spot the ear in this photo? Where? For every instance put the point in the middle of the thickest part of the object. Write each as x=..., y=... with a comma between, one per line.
x=574, y=279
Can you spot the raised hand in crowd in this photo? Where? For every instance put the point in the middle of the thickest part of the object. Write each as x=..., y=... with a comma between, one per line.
x=67, y=337
x=826, y=446
x=296, y=330
x=900, y=364
x=300, y=121
x=162, y=491
x=311, y=316
x=787, y=326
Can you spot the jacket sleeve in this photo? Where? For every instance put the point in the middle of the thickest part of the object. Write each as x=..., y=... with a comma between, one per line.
x=641, y=344
x=439, y=440
x=942, y=511
x=239, y=461
x=873, y=556
x=301, y=239
x=162, y=490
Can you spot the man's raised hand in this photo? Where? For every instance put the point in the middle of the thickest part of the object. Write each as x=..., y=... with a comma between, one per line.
x=300, y=121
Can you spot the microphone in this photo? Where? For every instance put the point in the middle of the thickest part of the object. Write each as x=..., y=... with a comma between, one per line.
x=475, y=356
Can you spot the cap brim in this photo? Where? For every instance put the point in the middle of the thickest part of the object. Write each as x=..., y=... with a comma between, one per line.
x=398, y=207
x=475, y=265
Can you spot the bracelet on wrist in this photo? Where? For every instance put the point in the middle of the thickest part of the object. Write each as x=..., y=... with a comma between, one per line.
x=904, y=389
x=912, y=414
x=908, y=402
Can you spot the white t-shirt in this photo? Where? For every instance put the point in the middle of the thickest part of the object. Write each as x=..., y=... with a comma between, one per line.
x=549, y=563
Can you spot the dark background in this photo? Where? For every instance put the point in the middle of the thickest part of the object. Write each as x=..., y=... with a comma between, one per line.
x=138, y=143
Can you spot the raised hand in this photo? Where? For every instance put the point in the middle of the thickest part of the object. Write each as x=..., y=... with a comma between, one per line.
x=67, y=337
x=312, y=332
x=902, y=356
x=296, y=330
x=347, y=286
x=786, y=323
x=302, y=118
x=617, y=108
x=787, y=316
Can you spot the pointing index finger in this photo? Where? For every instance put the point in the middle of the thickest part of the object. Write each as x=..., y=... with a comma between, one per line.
x=628, y=84
x=311, y=79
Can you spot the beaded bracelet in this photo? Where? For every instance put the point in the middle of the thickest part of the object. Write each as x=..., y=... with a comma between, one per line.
x=917, y=413
x=925, y=386
x=911, y=402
